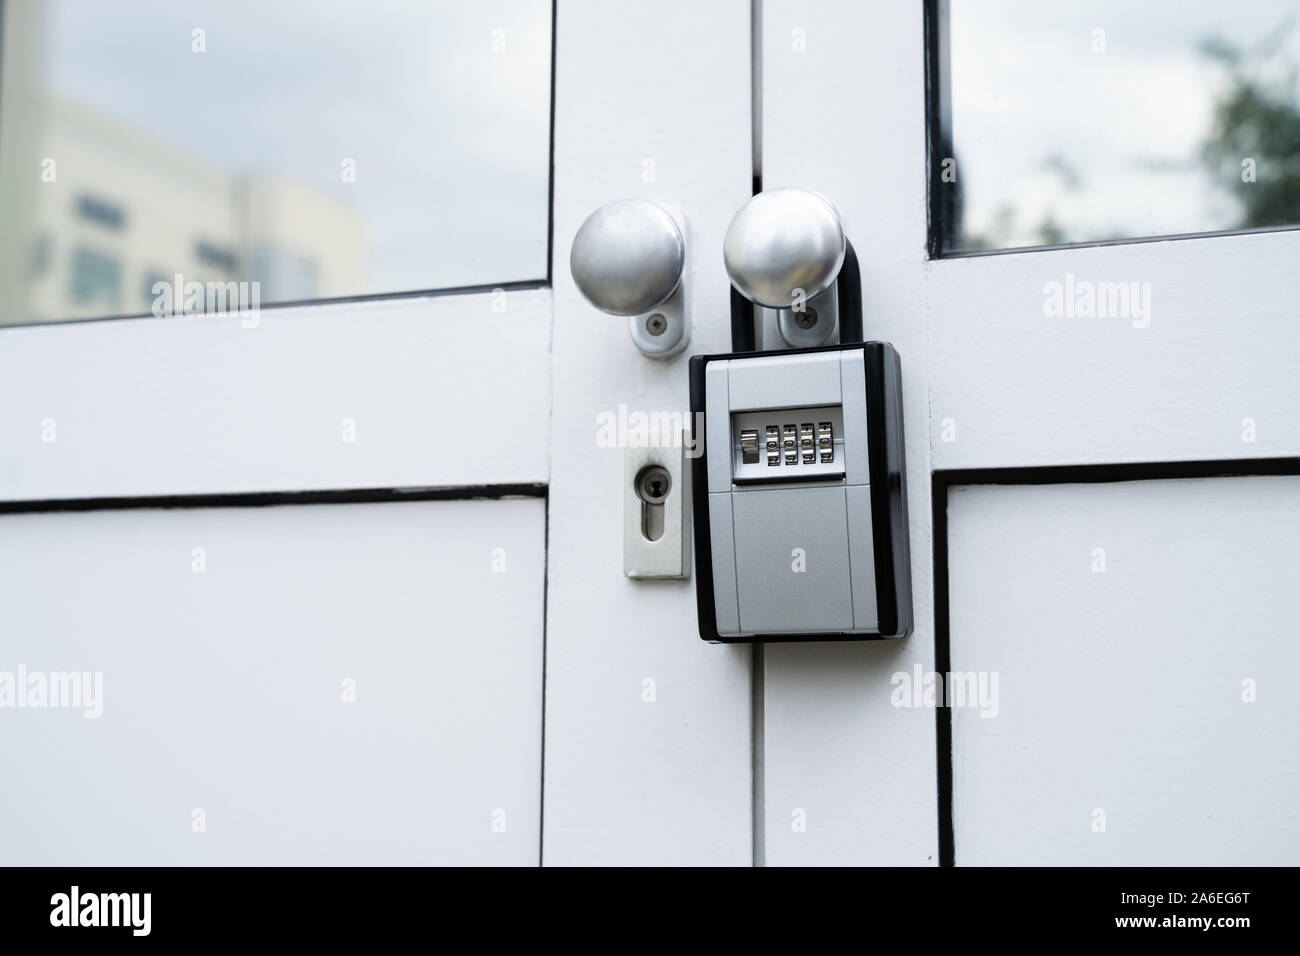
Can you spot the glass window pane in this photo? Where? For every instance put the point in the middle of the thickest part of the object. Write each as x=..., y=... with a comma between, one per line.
x=1114, y=119
x=280, y=151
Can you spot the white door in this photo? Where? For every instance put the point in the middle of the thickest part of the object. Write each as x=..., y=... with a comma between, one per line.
x=340, y=577
x=314, y=553
x=1081, y=239
x=272, y=540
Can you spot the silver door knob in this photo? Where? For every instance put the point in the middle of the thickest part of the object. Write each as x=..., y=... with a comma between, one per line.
x=627, y=257
x=784, y=245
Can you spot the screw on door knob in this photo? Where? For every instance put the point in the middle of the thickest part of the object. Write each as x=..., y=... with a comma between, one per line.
x=782, y=246
x=628, y=258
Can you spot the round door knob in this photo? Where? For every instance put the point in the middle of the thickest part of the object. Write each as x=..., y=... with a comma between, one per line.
x=627, y=257
x=781, y=244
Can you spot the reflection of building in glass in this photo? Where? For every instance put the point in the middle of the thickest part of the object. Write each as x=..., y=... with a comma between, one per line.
x=118, y=210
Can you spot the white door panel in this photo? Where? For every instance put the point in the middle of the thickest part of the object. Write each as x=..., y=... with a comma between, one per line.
x=863, y=772
x=449, y=391
x=223, y=690
x=637, y=772
x=440, y=391
x=841, y=762
x=990, y=381
x=1122, y=691
x=1012, y=387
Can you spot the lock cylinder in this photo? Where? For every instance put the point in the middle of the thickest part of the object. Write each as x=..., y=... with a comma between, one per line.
x=653, y=483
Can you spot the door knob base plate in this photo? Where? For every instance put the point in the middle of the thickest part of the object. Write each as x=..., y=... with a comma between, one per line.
x=662, y=332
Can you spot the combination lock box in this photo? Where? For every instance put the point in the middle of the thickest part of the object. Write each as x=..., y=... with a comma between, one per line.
x=799, y=495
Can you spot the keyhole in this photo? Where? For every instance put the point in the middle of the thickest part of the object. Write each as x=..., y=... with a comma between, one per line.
x=652, y=486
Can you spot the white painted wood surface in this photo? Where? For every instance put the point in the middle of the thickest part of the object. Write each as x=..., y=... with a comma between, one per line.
x=989, y=381
x=1122, y=690
x=441, y=391
x=1020, y=388
x=222, y=690
x=652, y=100
x=846, y=117
x=648, y=730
